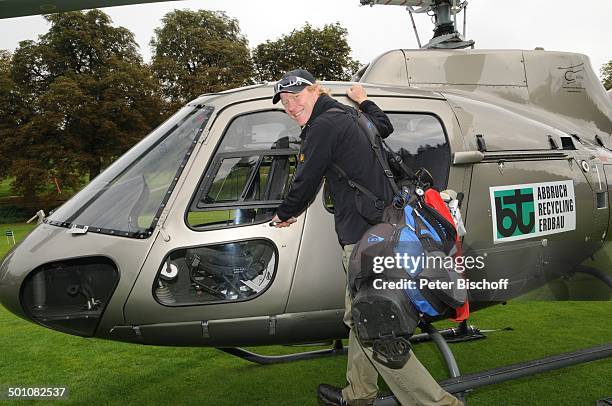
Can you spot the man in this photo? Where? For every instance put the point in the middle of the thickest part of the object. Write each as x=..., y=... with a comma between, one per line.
x=331, y=135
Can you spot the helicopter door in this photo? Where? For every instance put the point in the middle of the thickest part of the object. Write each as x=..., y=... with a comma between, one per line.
x=218, y=273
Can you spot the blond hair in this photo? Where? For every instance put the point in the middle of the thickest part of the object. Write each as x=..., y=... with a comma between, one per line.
x=319, y=89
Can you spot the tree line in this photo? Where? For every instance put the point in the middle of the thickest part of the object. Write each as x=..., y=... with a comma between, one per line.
x=606, y=73
x=78, y=97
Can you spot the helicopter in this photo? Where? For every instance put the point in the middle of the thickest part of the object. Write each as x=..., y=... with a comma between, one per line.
x=171, y=244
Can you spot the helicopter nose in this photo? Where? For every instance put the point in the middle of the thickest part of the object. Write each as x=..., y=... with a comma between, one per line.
x=68, y=295
x=8, y=286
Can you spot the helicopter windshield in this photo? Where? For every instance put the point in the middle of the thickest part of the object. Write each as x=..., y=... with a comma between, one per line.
x=127, y=198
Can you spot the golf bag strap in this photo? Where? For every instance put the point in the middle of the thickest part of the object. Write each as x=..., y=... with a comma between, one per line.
x=352, y=184
x=397, y=158
x=374, y=138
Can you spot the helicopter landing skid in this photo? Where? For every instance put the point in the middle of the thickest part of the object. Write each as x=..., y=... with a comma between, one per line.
x=337, y=349
x=461, y=385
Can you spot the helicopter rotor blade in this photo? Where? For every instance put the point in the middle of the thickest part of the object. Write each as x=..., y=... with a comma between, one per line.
x=21, y=8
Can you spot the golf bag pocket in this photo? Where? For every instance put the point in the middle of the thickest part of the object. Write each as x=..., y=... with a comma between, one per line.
x=380, y=312
x=384, y=320
x=406, y=266
x=377, y=242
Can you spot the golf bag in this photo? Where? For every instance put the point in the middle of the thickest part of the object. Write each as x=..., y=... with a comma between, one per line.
x=401, y=272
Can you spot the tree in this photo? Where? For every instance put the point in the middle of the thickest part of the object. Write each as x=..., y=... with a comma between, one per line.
x=323, y=52
x=606, y=72
x=196, y=52
x=89, y=99
x=9, y=103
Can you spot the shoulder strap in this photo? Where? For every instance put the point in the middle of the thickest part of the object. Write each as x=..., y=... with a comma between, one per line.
x=374, y=138
x=352, y=184
x=376, y=142
x=397, y=159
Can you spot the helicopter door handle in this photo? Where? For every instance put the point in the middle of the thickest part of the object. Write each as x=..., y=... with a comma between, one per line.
x=467, y=157
x=480, y=141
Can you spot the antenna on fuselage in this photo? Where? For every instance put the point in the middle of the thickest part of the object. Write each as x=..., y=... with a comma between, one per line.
x=444, y=12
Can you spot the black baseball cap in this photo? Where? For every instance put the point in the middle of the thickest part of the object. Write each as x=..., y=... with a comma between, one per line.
x=293, y=81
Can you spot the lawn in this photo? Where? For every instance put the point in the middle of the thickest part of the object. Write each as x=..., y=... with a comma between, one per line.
x=19, y=229
x=105, y=372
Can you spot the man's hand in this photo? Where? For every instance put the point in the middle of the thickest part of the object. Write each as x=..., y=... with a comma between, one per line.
x=276, y=222
x=357, y=93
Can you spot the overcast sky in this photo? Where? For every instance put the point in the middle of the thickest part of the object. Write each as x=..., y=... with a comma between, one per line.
x=559, y=25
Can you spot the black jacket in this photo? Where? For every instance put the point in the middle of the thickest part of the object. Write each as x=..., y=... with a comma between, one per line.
x=334, y=136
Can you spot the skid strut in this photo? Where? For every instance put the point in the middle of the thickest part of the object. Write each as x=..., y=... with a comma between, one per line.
x=596, y=273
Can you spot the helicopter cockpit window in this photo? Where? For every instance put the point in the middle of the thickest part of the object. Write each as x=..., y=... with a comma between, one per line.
x=250, y=173
x=262, y=130
x=421, y=141
x=126, y=198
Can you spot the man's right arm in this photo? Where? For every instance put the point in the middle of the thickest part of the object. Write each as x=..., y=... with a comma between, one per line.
x=358, y=94
x=378, y=117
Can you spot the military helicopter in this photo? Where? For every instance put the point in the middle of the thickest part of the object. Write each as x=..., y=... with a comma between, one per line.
x=171, y=244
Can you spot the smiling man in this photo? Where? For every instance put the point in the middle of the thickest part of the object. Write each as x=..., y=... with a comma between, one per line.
x=335, y=147
x=330, y=134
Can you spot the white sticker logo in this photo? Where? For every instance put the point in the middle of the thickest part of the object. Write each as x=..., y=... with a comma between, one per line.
x=532, y=210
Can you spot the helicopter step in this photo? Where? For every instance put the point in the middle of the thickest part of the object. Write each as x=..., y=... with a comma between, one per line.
x=462, y=332
x=337, y=349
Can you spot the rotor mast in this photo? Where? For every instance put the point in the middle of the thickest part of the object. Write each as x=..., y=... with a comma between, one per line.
x=444, y=12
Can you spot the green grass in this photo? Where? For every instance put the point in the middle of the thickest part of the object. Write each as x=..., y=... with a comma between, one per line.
x=105, y=372
x=19, y=229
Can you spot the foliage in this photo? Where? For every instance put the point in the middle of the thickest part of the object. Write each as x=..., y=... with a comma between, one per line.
x=606, y=72
x=9, y=106
x=196, y=52
x=13, y=214
x=89, y=98
x=323, y=52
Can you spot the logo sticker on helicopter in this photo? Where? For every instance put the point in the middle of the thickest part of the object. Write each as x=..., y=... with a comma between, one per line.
x=531, y=210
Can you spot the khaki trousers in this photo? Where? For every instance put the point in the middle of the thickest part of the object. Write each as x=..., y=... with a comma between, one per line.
x=411, y=385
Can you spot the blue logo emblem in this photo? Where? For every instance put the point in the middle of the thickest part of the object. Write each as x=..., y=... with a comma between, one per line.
x=375, y=239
